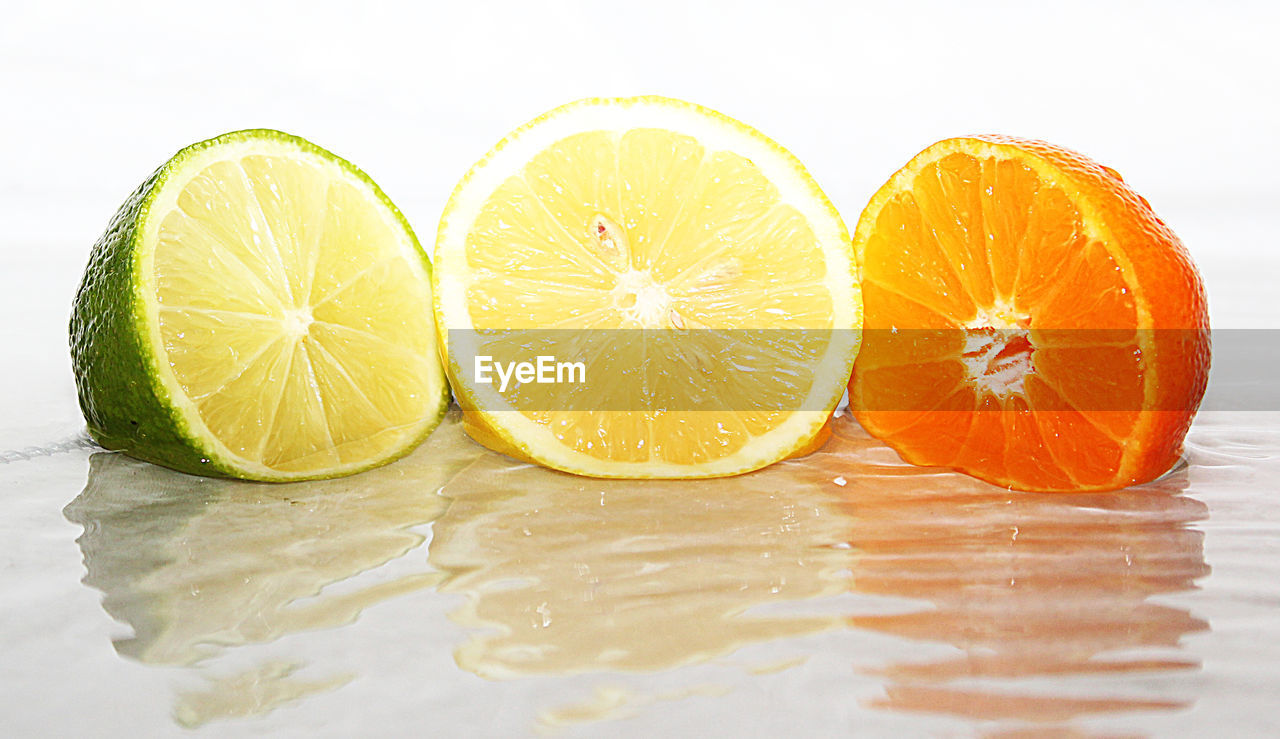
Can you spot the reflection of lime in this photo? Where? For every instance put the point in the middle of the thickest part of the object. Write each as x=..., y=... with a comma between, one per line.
x=195, y=565
x=258, y=309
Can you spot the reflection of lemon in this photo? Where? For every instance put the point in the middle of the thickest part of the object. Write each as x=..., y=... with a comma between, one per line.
x=569, y=575
x=258, y=309
x=648, y=213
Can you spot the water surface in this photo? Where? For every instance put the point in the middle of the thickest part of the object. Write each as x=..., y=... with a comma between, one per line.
x=842, y=592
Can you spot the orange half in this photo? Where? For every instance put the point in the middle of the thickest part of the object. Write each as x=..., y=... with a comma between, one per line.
x=1028, y=319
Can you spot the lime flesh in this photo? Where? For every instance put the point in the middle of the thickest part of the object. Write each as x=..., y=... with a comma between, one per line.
x=258, y=309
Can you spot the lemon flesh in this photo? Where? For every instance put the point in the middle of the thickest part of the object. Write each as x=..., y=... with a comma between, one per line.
x=277, y=318
x=659, y=216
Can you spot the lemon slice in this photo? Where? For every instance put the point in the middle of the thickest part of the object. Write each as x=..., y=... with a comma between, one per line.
x=702, y=237
x=258, y=309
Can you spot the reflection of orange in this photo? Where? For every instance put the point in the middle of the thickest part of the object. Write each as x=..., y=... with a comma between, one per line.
x=1067, y=345
x=1047, y=598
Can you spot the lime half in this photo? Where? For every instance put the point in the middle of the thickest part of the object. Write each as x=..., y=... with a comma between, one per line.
x=258, y=309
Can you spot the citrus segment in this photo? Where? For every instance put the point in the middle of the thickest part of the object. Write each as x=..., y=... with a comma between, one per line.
x=279, y=317
x=1029, y=320
x=673, y=222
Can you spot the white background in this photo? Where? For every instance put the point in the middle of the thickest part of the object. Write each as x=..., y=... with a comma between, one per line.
x=1180, y=98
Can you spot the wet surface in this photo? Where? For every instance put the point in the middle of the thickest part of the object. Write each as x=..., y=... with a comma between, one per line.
x=460, y=589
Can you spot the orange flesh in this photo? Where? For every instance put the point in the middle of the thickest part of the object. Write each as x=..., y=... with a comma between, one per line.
x=993, y=261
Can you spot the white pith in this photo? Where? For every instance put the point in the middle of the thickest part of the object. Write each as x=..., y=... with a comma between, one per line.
x=994, y=359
